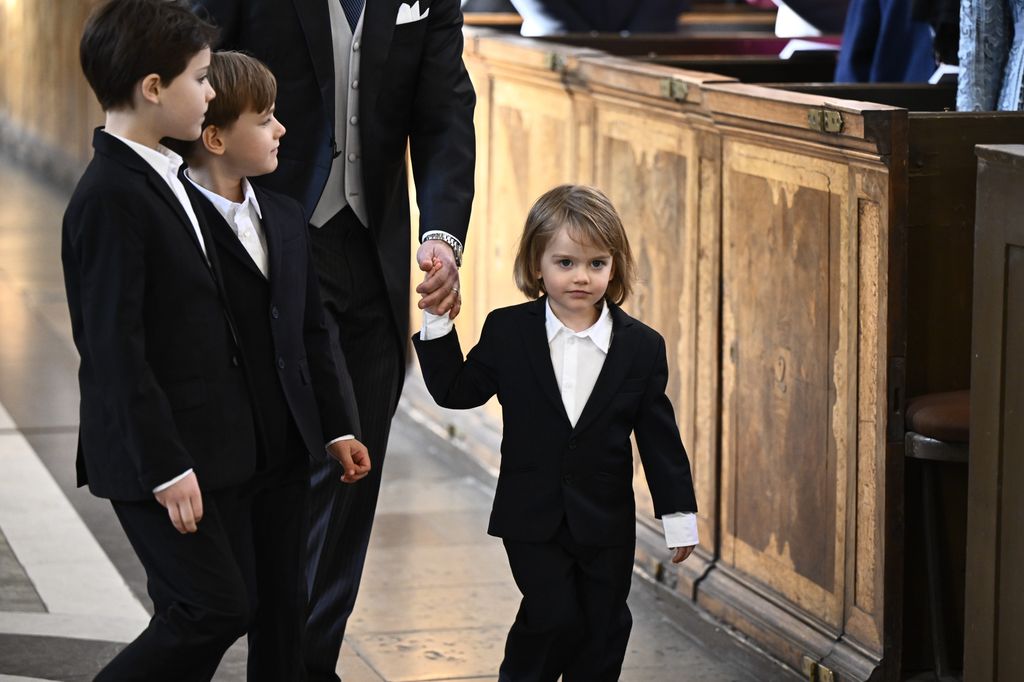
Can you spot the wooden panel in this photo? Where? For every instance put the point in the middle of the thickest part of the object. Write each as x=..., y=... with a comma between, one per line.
x=47, y=111
x=531, y=141
x=940, y=244
x=994, y=610
x=648, y=166
x=787, y=328
x=1010, y=596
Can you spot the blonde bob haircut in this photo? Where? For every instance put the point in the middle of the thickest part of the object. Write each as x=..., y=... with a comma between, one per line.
x=590, y=218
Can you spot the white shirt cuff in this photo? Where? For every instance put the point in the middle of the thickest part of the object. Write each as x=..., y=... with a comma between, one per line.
x=168, y=484
x=680, y=529
x=435, y=326
x=448, y=234
x=348, y=436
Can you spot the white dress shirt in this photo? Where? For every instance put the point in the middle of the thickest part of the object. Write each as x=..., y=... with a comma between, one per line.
x=166, y=164
x=577, y=359
x=244, y=220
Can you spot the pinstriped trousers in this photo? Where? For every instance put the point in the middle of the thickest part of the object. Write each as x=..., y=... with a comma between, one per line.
x=341, y=515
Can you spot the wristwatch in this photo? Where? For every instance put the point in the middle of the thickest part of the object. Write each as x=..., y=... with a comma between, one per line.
x=450, y=241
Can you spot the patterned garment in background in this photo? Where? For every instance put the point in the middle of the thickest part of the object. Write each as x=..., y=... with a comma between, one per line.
x=991, y=55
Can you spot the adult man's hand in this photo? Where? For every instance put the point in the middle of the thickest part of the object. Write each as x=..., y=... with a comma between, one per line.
x=184, y=503
x=353, y=458
x=439, y=290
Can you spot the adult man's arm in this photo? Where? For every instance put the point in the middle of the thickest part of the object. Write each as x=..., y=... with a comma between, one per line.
x=443, y=149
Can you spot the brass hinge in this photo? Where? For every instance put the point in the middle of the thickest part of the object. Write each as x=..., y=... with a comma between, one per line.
x=814, y=671
x=554, y=61
x=825, y=120
x=674, y=90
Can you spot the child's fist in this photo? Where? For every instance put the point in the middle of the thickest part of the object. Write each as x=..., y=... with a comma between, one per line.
x=353, y=457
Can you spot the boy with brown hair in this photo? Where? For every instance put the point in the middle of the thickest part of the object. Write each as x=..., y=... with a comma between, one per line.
x=272, y=291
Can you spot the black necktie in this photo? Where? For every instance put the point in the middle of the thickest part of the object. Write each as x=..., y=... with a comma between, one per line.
x=352, y=9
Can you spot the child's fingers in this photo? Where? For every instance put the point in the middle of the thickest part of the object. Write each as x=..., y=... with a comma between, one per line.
x=188, y=519
x=197, y=506
x=172, y=511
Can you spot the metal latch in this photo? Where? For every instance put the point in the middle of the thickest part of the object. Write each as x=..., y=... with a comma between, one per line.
x=554, y=61
x=825, y=120
x=814, y=671
x=674, y=90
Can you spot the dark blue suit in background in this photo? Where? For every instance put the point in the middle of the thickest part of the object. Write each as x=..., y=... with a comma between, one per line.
x=883, y=43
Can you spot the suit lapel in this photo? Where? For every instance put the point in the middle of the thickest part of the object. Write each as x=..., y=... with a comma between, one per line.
x=272, y=232
x=535, y=339
x=614, y=370
x=378, y=28
x=121, y=153
x=314, y=15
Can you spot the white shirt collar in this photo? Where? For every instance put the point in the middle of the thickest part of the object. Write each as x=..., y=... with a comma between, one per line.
x=226, y=207
x=163, y=160
x=600, y=332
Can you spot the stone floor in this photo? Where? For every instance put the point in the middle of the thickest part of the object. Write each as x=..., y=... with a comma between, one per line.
x=437, y=596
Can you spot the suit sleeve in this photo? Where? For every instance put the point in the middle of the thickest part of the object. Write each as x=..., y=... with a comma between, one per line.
x=332, y=384
x=666, y=465
x=225, y=15
x=111, y=263
x=455, y=382
x=442, y=144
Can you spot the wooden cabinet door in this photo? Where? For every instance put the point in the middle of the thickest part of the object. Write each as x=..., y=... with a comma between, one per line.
x=994, y=615
x=808, y=224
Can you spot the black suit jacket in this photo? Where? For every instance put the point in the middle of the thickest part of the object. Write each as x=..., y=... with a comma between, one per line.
x=281, y=328
x=162, y=389
x=549, y=469
x=413, y=89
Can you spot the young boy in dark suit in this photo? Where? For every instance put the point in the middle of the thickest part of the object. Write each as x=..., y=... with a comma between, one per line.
x=272, y=291
x=575, y=376
x=166, y=426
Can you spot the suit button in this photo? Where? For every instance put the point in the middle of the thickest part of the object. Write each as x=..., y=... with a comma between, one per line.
x=567, y=479
x=273, y=312
x=280, y=363
x=234, y=360
x=572, y=444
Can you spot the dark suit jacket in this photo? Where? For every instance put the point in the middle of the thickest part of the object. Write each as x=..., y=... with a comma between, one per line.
x=550, y=470
x=413, y=89
x=281, y=328
x=162, y=389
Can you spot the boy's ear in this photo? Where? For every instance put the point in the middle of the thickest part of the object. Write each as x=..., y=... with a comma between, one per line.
x=149, y=88
x=212, y=140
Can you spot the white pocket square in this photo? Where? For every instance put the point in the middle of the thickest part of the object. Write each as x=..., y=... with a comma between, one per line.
x=407, y=14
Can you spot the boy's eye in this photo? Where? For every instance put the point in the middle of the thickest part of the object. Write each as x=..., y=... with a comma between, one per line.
x=597, y=264
x=565, y=262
